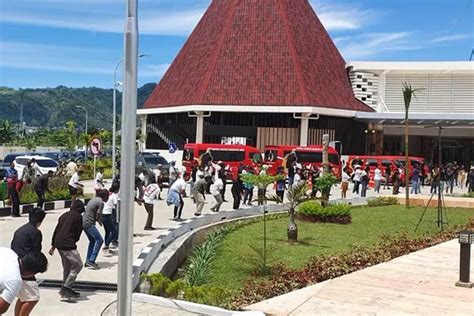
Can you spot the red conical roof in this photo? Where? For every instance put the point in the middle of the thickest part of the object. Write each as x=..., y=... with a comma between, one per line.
x=265, y=52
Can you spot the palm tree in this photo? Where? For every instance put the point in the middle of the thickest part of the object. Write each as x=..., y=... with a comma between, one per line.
x=295, y=195
x=408, y=93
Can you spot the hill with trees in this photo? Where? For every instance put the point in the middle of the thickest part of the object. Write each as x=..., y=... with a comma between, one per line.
x=53, y=107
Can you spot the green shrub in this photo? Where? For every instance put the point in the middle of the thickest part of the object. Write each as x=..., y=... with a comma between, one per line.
x=382, y=201
x=57, y=185
x=334, y=213
x=200, y=261
x=469, y=195
x=160, y=285
x=88, y=169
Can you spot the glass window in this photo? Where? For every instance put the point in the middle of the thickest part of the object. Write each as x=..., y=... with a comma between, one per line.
x=152, y=161
x=21, y=161
x=188, y=154
x=309, y=156
x=334, y=159
x=271, y=155
x=227, y=155
x=386, y=163
x=47, y=163
x=372, y=162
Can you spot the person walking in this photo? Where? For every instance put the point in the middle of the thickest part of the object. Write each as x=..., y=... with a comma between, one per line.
x=108, y=220
x=27, y=241
x=13, y=271
x=356, y=178
x=172, y=173
x=262, y=189
x=388, y=175
x=377, y=178
x=99, y=180
x=345, y=178
x=175, y=196
x=28, y=173
x=65, y=237
x=396, y=182
x=364, y=179
x=11, y=171
x=237, y=187
x=461, y=177
x=36, y=168
x=91, y=216
x=74, y=184
x=415, y=181
x=470, y=180
x=150, y=194
x=13, y=189
x=450, y=175
x=280, y=185
x=199, y=193
x=216, y=190
x=41, y=187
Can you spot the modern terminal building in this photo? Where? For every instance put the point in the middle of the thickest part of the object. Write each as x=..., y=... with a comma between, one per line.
x=267, y=73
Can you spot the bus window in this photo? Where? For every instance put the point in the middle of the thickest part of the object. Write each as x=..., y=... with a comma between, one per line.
x=271, y=155
x=372, y=162
x=256, y=157
x=386, y=163
x=334, y=159
x=309, y=156
x=188, y=155
x=227, y=155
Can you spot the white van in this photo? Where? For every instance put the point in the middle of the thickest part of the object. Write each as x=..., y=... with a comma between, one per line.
x=45, y=164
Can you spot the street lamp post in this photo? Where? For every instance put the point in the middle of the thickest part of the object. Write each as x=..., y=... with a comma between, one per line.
x=114, y=128
x=87, y=114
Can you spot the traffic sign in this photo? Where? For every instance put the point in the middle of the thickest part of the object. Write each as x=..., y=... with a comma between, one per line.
x=96, y=147
x=172, y=148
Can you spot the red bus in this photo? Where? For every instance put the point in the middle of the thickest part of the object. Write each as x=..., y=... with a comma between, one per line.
x=307, y=156
x=231, y=155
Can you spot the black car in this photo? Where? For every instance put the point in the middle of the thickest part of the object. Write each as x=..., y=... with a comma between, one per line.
x=147, y=161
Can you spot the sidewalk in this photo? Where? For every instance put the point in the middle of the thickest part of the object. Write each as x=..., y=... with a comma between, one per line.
x=420, y=283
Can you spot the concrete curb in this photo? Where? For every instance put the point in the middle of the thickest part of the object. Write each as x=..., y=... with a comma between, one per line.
x=149, y=254
x=189, y=306
x=47, y=206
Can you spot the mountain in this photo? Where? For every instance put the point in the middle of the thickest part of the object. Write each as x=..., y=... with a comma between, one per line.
x=53, y=107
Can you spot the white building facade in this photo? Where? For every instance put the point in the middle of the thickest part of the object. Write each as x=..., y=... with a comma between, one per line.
x=445, y=98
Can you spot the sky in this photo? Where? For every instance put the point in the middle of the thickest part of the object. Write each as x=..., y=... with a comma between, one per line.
x=77, y=43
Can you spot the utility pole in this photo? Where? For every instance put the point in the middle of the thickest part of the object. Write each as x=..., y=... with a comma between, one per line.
x=127, y=167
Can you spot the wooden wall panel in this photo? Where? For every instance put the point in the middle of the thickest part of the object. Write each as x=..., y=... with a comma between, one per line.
x=276, y=136
x=315, y=136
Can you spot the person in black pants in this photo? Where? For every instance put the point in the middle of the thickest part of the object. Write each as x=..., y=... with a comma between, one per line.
x=223, y=175
x=237, y=193
x=41, y=186
x=14, y=187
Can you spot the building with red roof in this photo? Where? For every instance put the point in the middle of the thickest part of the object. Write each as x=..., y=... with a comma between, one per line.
x=265, y=72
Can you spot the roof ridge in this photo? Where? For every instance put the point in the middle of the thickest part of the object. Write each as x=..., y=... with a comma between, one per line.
x=215, y=57
x=293, y=52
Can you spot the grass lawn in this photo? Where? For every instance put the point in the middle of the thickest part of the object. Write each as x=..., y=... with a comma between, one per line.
x=232, y=267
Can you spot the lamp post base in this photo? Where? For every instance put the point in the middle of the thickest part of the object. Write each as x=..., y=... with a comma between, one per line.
x=468, y=285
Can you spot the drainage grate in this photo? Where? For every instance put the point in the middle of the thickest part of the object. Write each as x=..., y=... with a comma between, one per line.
x=86, y=286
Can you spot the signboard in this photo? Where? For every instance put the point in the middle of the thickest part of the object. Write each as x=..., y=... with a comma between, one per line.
x=96, y=147
x=172, y=148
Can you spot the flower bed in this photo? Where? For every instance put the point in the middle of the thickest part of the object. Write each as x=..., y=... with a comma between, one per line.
x=312, y=211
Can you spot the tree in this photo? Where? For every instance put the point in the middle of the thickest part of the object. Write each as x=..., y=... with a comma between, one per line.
x=408, y=93
x=296, y=195
x=6, y=132
x=71, y=133
x=324, y=184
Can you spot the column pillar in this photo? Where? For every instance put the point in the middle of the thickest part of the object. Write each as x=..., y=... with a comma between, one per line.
x=304, y=128
x=199, y=127
x=143, y=136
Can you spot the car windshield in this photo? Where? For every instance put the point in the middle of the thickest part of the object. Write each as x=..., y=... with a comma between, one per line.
x=152, y=161
x=46, y=163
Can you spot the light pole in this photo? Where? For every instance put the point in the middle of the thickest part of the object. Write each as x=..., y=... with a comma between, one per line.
x=87, y=114
x=127, y=165
x=114, y=128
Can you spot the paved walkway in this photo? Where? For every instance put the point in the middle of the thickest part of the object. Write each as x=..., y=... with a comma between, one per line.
x=108, y=271
x=421, y=283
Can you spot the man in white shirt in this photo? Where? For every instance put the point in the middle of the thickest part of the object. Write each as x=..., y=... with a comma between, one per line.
x=12, y=272
x=36, y=168
x=71, y=168
x=377, y=179
x=173, y=173
x=151, y=193
x=216, y=189
x=175, y=196
x=99, y=180
x=74, y=185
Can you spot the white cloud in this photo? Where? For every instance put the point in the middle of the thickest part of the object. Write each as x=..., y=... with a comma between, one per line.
x=451, y=38
x=150, y=22
x=372, y=44
x=68, y=59
x=337, y=17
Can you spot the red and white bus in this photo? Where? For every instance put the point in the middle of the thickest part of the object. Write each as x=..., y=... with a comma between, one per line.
x=231, y=155
x=307, y=156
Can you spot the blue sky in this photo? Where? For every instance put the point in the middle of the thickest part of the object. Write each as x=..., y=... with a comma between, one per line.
x=45, y=43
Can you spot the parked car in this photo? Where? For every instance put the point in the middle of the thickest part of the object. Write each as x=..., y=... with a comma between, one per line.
x=44, y=163
x=148, y=161
x=50, y=154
